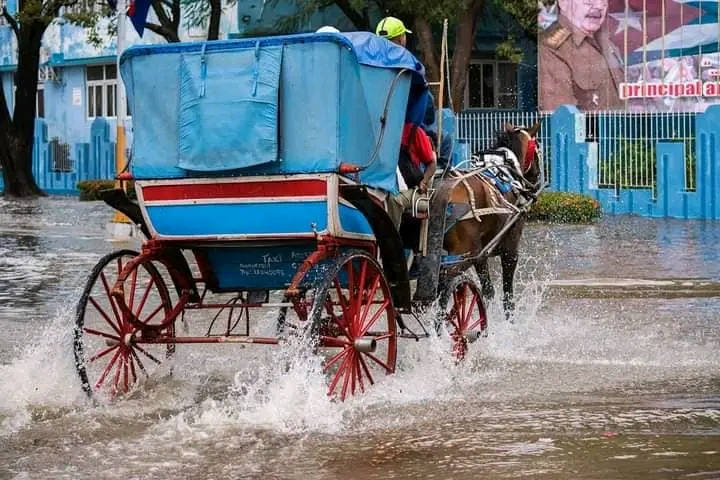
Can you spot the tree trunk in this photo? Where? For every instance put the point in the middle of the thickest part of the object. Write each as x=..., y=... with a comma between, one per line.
x=426, y=42
x=464, y=41
x=215, y=14
x=16, y=146
x=168, y=28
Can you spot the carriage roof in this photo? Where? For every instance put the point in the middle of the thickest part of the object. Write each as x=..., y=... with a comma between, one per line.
x=273, y=105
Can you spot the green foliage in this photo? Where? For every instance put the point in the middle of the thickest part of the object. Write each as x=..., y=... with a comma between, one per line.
x=88, y=14
x=196, y=13
x=90, y=189
x=634, y=165
x=525, y=13
x=508, y=50
x=564, y=207
x=631, y=165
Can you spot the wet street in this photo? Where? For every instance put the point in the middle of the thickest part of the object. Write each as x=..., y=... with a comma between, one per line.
x=611, y=371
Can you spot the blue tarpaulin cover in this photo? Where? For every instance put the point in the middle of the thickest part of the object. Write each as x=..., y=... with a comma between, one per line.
x=274, y=105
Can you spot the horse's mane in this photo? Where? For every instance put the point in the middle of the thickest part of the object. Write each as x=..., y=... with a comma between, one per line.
x=507, y=139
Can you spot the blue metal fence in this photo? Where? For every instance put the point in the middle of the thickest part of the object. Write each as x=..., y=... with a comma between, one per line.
x=58, y=167
x=657, y=165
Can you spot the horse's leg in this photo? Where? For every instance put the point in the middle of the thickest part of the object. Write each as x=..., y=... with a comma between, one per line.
x=481, y=267
x=508, y=260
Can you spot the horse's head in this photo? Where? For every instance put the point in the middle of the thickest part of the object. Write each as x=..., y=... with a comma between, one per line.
x=523, y=143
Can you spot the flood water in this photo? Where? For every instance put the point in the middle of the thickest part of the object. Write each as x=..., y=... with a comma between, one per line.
x=611, y=371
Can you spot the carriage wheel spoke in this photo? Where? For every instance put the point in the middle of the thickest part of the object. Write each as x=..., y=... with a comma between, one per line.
x=374, y=318
x=359, y=296
x=102, y=353
x=107, y=369
x=333, y=360
x=378, y=361
x=452, y=317
x=106, y=287
x=133, y=285
x=126, y=374
x=151, y=357
x=152, y=315
x=101, y=334
x=333, y=342
x=367, y=370
x=146, y=295
x=346, y=379
x=116, y=378
x=352, y=372
x=139, y=362
x=338, y=374
x=132, y=366
x=358, y=370
x=102, y=312
x=370, y=301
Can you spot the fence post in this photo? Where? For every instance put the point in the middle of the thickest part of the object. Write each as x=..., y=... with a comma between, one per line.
x=568, y=152
x=707, y=142
x=670, y=180
x=102, y=149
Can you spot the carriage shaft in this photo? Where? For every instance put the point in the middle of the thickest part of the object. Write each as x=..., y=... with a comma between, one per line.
x=213, y=339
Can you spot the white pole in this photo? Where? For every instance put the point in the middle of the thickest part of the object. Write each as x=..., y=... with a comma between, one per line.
x=121, y=102
x=120, y=226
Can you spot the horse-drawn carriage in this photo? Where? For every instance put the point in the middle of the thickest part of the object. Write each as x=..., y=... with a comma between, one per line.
x=268, y=162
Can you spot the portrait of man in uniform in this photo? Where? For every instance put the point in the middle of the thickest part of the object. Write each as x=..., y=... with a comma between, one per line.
x=578, y=63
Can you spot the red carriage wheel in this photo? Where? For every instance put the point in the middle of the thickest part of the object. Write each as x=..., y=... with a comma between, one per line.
x=353, y=318
x=465, y=313
x=111, y=355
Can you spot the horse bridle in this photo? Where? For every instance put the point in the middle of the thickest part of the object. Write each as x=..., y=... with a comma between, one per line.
x=527, y=162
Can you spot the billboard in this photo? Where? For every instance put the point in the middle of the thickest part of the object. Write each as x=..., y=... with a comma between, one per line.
x=635, y=55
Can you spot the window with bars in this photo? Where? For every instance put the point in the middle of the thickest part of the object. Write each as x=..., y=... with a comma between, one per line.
x=491, y=84
x=40, y=102
x=101, y=90
x=60, y=155
x=85, y=6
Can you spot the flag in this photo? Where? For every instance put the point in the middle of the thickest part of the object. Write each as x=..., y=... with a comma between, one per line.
x=137, y=12
x=663, y=28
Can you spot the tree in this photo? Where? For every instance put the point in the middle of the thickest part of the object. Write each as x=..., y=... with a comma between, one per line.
x=33, y=17
x=18, y=130
x=203, y=13
x=424, y=16
x=420, y=15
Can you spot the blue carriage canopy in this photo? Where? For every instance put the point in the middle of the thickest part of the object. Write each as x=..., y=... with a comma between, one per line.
x=273, y=105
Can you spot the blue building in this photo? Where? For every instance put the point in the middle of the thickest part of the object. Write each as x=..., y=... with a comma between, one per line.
x=78, y=80
x=77, y=84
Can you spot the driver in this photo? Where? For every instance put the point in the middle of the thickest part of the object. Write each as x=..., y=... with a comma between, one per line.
x=417, y=162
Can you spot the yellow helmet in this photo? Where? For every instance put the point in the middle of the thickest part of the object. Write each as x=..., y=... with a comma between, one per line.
x=391, y=27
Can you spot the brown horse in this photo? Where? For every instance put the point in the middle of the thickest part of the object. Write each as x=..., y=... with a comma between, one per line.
x=471, y=235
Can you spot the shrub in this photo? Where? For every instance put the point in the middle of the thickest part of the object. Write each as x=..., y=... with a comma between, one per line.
x=90, y=189
x=562, y=207
x=634, y=165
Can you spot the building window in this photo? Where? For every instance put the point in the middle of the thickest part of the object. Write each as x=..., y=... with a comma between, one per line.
x=491, y=84
x=101, y=90
x=85, y=6
x=40, y=102
x=61, y=159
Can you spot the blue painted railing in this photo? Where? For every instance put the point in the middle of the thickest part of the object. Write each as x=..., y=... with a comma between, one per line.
x=673, y=159
x=681, y=177
x=58, y=167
